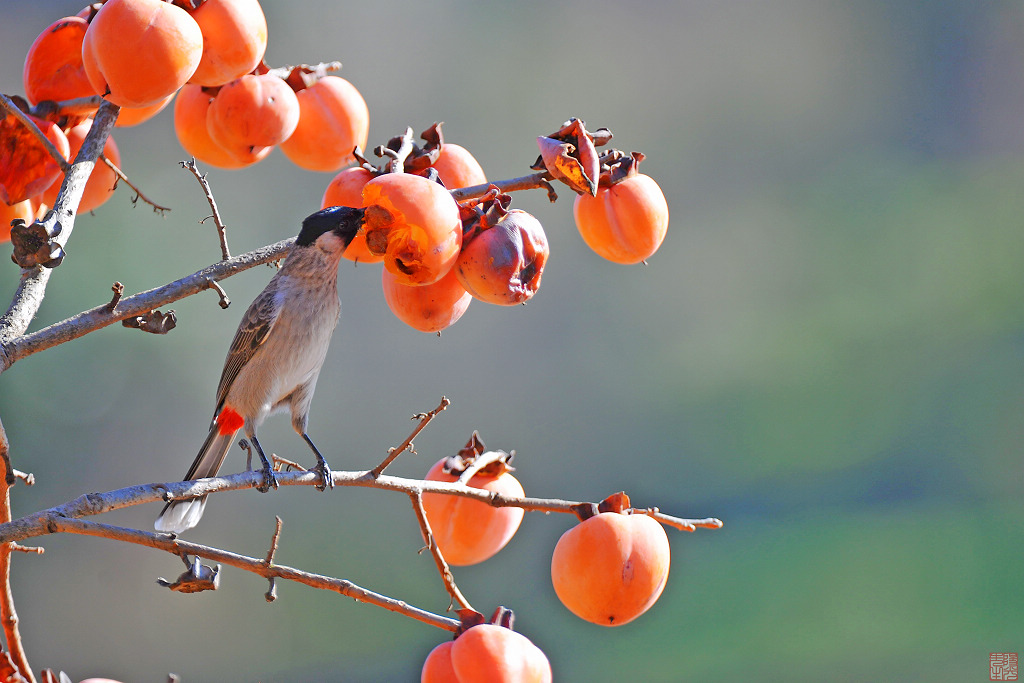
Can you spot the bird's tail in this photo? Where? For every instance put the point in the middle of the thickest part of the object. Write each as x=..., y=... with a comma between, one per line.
x=181, y=515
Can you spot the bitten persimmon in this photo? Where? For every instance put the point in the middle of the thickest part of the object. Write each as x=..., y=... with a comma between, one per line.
x=468, y=531
x=252, y=113
x=457, y=167
x=53, y=66
x=503, y=264
x=346, y=189
x=415, y=223
x=427, y=308
x=190, y=109
x=611, y=568
x=333, y=120
x=490, y=653
x=101, y=181
x=26, y=167
x=626, y=222
x=234, y=40
x=137, y=52
x=23, y=210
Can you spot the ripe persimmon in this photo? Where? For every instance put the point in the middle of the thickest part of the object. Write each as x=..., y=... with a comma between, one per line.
x=101, y=181
x=190, y=109
x=610, y=568
x=415, y=223
x=427, y=308
x=503, y=264
x=26, y=167
x=490, y=653
x=346, y=189
x=133, y=116
x=457, y=167
x=626, y=222
x=437, y=667
x=251, y=114
x=23, y=210
x=468, y=531
x=137, y=52
x=53, y=66
x=333, y=120
x=234, y=40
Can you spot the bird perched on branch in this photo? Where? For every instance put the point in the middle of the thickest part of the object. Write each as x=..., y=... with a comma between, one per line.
x=276, y=355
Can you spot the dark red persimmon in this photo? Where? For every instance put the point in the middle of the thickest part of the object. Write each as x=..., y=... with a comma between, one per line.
x=26, y=167
x=504, y=263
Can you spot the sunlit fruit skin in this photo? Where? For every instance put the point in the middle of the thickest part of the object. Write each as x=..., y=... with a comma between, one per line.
x=133, y=116
x=140, y=51
x=101, y=181
x=610, y=568
x=252, y=113
x=504, y=263
x=26, y=167
x=190, y=109
x=437, y=667
x=346, y=189
x=468, y=531
x=457, y=167
x=427, y=308
x=420, y=221
x=626, y=222
x=53, y=66
x=333, y=120
x=490, y=653
x=23, y=210
x=234, y=40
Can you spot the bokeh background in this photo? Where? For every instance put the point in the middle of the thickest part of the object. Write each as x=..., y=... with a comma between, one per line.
x=827, y=352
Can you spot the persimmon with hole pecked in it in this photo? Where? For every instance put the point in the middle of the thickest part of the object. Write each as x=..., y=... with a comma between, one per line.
x=137, y=52
x=101, y=181
x=626, y=222
x=487, y=653
x=468, y=531
x=333, y=121
x=503, y=264
x=415, y=223
x=611, y=568
x=427, y=308
x=234, y=40
x=251, y=114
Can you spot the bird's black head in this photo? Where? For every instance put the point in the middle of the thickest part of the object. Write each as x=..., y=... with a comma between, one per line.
x=343, y=221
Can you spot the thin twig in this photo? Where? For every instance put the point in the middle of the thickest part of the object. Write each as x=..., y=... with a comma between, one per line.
x=539, y=180
x=222, y=230
x=8, y=614
x=398, y=156
x=157, y=208
x=215, y=286
x=435, y=552
x=271, y=594
x=424, y=419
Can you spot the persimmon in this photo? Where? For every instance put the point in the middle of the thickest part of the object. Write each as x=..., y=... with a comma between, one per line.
x=457, y=167
x=611, y=568
x=23, y=210
x=468, y=531
x=415, y=223
x=26, y=167
x=490, y=653
x=190, y=109
x=234, y=40
x=427, y=308
x=626, y=222
x=346, y=189
x=333, y=120
x=251, y=114
x=101, y=181
x=503, y=263
x=133, y=116
x=437, y=667
x=137, y=52
x=53, y=65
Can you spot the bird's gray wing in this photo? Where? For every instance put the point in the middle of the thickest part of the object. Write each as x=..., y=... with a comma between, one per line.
x=253, y=330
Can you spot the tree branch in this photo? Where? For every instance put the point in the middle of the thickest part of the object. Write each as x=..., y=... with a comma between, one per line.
x=8, y=614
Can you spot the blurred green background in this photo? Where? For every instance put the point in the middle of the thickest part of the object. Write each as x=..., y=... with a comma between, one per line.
x=827, y=353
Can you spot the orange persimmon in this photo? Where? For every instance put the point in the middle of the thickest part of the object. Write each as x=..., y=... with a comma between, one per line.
x=625, y=222
x=190, y=109
x=333, y=120
x=490, y=653
x=468, y=531
x=346, y=189
x=503, y=264
x=137, y=52
x=427, y=308
x=23, y=210
x=53, y=66
x=234, y=40
x=101, y=181
x=251, y=114
x=457, y=167
x=416, y=223
x=611, y=568
x=133, y=116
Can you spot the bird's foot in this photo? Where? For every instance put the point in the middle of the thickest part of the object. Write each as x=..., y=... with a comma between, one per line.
x=269, y=479
x=326, y=476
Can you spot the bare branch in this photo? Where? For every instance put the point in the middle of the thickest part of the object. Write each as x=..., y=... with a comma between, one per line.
x=435, y=552
x=424, y=419
x=222, y=230
x=138, y=193
x=527, y=182
x=8, y=614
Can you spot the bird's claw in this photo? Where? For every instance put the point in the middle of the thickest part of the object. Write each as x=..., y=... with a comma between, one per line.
x=269, y=480
x=326, y=476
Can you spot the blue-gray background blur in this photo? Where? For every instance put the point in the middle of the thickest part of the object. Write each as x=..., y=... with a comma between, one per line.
x=827, y=352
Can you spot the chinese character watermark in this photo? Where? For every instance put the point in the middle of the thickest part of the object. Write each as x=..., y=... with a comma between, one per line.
x=1002, y=666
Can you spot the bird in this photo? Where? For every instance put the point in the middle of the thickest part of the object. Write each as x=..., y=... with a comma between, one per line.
x=276, y=356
